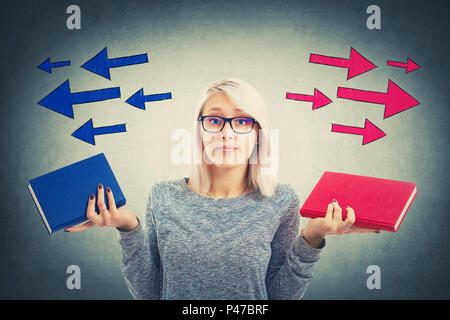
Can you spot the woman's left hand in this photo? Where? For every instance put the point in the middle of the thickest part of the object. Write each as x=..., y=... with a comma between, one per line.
x=318, y=228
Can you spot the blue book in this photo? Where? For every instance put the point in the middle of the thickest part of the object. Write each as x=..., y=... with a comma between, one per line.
x=61, y=196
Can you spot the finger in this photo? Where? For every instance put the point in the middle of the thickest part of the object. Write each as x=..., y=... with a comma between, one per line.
x=350, y=220
x=90, y=211
x=329, y=214
x=362, y=230
x=337, y=211
x=111, y=202
x=81, y=227
x=102, y=206
x=101, y=197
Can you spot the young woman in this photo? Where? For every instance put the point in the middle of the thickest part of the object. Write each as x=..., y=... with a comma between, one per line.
x=229, y=230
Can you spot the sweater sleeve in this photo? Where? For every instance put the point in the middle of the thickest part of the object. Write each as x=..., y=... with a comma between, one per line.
x=140, y=257
x=291, y=264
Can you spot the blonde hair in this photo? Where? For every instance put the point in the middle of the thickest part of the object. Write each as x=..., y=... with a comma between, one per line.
x=248, y=99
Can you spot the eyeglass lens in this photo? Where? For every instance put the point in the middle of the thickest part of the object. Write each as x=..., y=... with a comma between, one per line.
x=215, y=124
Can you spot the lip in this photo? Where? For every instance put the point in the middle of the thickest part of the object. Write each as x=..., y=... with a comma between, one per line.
x=227, y=148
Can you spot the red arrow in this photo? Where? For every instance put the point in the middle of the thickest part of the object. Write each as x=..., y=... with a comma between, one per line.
x=318, y=99
x=395, y=100
x=370, y=132
x=410, y=65
x=356, y=64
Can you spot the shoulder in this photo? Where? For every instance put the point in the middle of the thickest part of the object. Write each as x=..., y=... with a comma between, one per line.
x=285, y=199
x=160, y=192
x=284, y=193
x=165, y=186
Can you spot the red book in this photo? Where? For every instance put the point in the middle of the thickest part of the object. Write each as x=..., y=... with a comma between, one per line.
x=379, y=204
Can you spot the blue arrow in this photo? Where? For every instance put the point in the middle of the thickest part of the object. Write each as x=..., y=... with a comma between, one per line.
x=138, y=99
x=100, y=64
x=62, y=100
x=87, y=131
x=47, y=66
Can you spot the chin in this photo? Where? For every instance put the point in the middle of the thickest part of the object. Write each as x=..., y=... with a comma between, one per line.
x=227, y=160
x=228, y=164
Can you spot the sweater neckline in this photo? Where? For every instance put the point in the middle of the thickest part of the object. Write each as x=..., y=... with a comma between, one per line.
x=188, y=189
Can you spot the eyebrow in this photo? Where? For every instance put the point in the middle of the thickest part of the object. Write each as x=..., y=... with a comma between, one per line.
x=218, y=109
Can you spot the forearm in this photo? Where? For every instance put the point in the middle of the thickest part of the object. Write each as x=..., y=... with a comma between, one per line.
x=129, y=224
x=140, y=265
x=291, y=280
x=314, y=240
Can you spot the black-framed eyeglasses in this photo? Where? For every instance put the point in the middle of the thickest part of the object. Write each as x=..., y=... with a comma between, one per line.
x=217, y=123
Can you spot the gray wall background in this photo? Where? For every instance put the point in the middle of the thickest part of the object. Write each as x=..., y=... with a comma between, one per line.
x=190, y=44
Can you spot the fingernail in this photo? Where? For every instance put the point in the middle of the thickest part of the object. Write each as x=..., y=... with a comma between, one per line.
x=91, y=196
x=334, y=200
x=108, y=189
x=99, y=186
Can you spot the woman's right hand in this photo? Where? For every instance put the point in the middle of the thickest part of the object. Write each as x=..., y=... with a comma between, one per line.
x=123, y=219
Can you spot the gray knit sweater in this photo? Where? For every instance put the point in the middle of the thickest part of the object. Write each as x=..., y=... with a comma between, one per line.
x=194, y=247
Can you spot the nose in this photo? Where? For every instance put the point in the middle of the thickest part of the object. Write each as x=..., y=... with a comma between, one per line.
x=227, y=131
